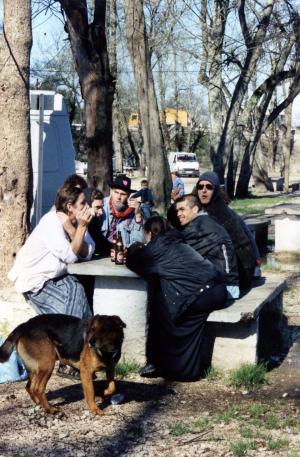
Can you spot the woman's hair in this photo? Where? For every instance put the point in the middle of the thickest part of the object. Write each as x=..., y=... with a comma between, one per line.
x=156, y=225
x=65, y=195
x=75, y=181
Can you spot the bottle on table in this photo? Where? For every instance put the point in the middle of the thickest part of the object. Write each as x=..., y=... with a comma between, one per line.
x=119, y=250
x=113, y=248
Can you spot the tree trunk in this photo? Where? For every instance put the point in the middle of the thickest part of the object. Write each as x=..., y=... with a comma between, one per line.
x=163, y=105
x=89, y=49
x=15, y=156
x=287, y=146
x=114, y=71
x=157, y=165
x=210, y=75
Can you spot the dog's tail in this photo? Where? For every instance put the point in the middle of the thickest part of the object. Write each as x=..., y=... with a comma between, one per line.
x=9, y=344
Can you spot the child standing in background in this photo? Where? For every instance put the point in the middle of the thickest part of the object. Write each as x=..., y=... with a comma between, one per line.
x=146, y=198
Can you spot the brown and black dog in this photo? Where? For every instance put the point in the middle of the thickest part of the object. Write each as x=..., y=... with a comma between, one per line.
x=86, y=345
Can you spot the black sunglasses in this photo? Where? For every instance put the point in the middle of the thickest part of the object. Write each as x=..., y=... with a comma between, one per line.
x=206, y=186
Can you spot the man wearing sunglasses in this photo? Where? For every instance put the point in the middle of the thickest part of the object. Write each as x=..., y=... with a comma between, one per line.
x=247, y=254
x=209, y=239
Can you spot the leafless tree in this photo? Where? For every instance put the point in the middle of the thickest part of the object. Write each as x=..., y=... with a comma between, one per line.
x=87, y=35
x=235, y=112
x=137, y=39
x=15, y=157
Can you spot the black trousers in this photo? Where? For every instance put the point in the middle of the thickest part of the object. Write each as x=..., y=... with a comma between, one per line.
x=176, y=347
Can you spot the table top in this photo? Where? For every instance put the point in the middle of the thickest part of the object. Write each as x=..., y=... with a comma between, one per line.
x=257, y=223
x=101, y=267
x=292, y=209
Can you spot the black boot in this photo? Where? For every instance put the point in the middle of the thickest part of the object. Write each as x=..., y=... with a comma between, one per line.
x=150, y=371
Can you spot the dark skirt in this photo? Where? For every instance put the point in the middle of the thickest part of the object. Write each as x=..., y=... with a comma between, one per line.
x=176, y=347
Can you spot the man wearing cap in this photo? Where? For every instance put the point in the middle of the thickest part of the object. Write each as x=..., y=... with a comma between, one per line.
x=122, y=213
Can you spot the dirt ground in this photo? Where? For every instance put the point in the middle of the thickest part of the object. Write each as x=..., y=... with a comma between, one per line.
x=159, y=418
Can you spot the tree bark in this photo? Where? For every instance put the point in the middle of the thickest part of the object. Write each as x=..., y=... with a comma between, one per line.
x=89, y=49
x=157, y=164
x=287, y=146
x=15, y=155
x=210, y=75
x=114, y=71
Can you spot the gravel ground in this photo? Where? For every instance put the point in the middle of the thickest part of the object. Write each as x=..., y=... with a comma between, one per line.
x=159, y=418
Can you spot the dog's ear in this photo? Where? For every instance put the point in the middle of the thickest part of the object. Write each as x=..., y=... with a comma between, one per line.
x=93, y=323
x=119, y=321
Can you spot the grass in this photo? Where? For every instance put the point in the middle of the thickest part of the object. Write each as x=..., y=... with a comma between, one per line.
x=211, y=374
x=227, y=415
x=179, y=429
x=248, y=376
x=125, y=368
x=254, y=425
x=257, y=410
x=272, y=445
x=256, y=205
x=202, y=424
x=272, y=422
x=239, y=448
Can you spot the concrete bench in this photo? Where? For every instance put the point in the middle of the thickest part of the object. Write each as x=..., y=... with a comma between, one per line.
x=234, y=331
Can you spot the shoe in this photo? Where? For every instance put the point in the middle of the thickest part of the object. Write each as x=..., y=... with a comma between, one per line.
x=64, y=371
x=150, y=371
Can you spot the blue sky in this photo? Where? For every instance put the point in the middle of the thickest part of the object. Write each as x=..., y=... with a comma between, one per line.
x=46, y=28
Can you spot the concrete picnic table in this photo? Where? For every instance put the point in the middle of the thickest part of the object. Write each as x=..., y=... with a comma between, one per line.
x=121, y=292
x=235, y=329
x=287, y=226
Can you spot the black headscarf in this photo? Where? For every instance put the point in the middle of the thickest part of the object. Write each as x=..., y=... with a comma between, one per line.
x=235, y=227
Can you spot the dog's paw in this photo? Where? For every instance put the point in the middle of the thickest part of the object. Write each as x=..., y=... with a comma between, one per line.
x=95, y=411
x=53, y=410
x=110, y=390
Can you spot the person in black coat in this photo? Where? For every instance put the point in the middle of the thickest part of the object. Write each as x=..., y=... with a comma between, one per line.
x=208, y=192
x=209, y=239
x=183, y=288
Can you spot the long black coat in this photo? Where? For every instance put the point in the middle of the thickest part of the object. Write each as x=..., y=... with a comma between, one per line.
x=176, y=274
x=183, y=273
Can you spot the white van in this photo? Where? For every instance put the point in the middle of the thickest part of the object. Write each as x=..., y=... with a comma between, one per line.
x=185, y=163
x=51, y=148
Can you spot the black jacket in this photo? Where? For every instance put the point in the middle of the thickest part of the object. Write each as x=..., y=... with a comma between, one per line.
x=212, y=241
x=244, y=245
x=183, y=273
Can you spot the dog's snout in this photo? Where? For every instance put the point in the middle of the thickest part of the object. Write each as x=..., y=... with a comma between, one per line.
x=92, y=342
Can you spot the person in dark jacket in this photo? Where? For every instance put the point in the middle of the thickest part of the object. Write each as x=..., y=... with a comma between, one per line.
x=208, y=191
x=146, y=195
x=209, y=239
x=183, y=288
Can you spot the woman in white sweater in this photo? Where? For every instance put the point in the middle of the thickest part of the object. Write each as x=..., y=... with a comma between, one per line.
x=60, y=238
